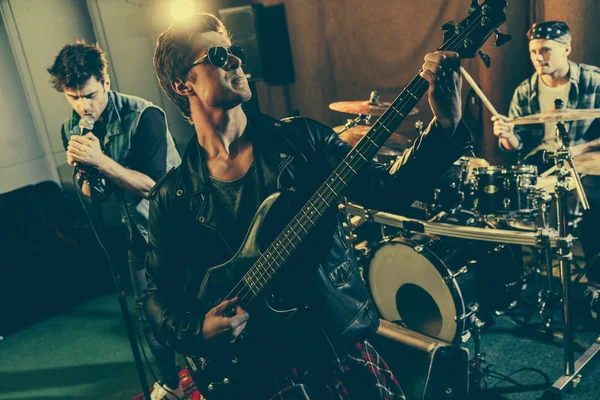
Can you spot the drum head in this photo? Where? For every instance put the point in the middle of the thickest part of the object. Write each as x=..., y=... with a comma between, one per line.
x=406, y=282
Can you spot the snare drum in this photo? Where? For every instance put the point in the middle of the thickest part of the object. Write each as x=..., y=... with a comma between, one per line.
x=432, y=284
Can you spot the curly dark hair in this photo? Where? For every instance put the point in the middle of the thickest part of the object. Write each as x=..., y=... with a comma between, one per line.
x=176, y=50
x=75, y=64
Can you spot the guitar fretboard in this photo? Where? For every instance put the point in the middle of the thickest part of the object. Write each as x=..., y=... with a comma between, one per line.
x=271, y=261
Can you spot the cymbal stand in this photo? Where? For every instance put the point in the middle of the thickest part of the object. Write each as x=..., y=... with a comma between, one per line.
x=547, y=300
x=562, y=157
x=351, y=123
x=479, y=372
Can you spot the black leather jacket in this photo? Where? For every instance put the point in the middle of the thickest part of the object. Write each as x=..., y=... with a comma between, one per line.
x=292, y=154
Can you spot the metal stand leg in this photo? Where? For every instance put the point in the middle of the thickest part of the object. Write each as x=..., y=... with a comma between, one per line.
x=546, y=298
x=479, y=373
x=571, y=376
x=477, y=325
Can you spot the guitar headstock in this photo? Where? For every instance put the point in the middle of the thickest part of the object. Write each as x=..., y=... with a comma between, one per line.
x=468, y=35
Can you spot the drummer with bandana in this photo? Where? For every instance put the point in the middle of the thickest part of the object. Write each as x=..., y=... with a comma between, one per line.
x=578, y=85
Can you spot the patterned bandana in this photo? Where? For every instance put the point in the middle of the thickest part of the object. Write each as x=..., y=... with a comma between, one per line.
x=553, y=30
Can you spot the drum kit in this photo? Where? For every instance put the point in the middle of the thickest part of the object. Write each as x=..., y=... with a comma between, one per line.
x=451, y=269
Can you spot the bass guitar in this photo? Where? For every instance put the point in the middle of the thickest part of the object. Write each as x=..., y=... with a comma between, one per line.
x=249, y=274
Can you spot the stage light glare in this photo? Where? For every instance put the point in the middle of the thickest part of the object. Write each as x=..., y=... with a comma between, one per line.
x=181, y=9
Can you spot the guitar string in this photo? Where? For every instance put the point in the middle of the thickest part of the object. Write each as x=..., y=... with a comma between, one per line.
x=419, y=84
x=345, y=169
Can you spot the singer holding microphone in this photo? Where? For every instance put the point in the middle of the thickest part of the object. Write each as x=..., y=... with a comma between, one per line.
x=118, y=144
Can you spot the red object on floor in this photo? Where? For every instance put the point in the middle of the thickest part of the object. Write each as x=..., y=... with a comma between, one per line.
x=189, y=389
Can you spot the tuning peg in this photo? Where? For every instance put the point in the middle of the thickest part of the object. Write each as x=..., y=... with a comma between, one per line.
x=502, y=38
x=474, y=5
x=485, y=58
x=449, y=26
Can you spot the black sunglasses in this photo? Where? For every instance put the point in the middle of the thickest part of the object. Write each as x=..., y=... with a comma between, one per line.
x=218, y=56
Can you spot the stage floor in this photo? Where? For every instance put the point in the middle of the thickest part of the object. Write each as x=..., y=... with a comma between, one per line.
x=84, y=354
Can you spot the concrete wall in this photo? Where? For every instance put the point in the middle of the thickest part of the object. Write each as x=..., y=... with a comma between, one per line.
x=37, y=30
x=127, y=31
x=22, y=158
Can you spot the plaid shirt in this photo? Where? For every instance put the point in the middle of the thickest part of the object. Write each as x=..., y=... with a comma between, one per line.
x=584, y=93
x=365, y=376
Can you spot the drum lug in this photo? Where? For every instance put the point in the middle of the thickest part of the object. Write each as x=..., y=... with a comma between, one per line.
x=436, y=195
x=461, y=271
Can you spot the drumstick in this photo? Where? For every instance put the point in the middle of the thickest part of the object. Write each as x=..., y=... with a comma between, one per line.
x=548, y=171
x=477, y=90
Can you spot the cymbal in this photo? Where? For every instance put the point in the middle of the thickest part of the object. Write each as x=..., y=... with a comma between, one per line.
x=588, y=163
x=396, y=143
x=564, y=114
x=364, y=107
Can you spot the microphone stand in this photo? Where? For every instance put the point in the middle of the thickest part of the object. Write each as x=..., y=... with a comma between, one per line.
x=562, y=157
x=97, y=192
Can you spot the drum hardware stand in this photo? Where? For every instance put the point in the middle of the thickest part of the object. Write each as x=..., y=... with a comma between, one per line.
x=547, y=300
x=351, y=123
x=349, y=225
x=479, y=372
x=358, y=249
x=458, y=231
x=366, y=118
x=478, y=365
x=562, y=157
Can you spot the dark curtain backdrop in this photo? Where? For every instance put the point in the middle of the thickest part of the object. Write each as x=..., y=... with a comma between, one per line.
x=344, y=49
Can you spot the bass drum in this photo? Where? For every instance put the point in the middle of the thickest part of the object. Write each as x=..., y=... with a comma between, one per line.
x=431, y=284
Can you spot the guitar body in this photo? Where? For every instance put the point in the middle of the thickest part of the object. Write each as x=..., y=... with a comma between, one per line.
x=277, y=328
x=221, y=279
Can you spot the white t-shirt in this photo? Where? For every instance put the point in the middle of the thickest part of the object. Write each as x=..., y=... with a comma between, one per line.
x=547, y=95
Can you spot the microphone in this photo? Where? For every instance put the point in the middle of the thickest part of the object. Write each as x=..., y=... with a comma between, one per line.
x=86, y=124
x=92, y=176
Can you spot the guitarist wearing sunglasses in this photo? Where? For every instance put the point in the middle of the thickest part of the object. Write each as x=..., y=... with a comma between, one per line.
x=200, y=214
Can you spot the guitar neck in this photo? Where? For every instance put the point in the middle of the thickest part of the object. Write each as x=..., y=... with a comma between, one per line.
x=266, y=267
x=464, y=38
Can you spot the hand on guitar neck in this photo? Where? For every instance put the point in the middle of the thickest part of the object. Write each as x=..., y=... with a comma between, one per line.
x=441, y=70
